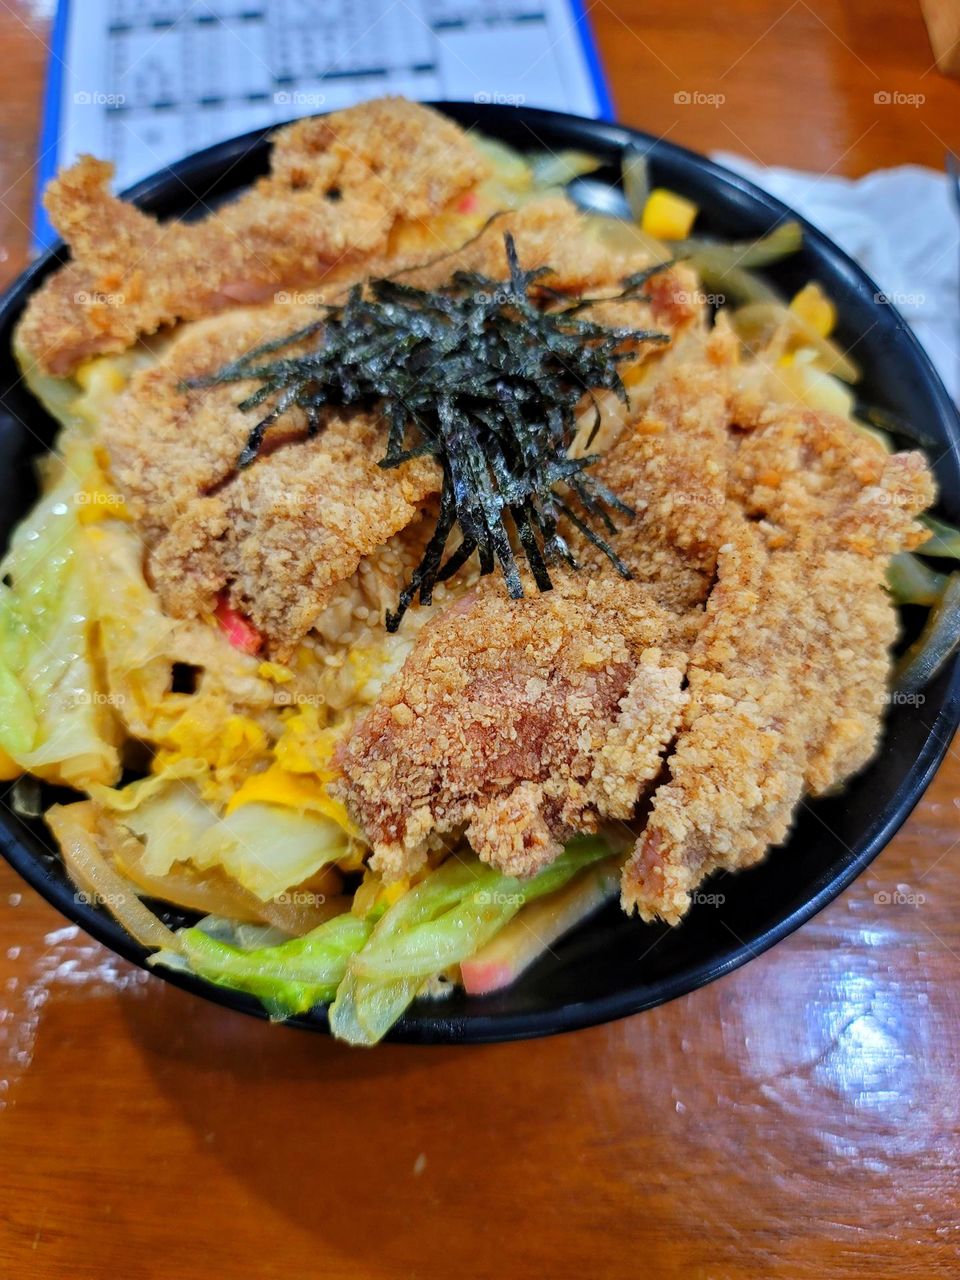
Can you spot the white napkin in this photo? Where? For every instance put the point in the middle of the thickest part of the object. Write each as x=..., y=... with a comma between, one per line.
x=902, y=226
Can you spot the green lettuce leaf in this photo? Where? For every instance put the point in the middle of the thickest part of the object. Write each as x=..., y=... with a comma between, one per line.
x=54, y=720
x=372, y=971
x=439, y=923
x=288, y=978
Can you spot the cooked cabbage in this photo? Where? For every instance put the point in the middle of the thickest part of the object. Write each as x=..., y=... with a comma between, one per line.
x=266, y=848
x=290, y=977
x=55, y=715
x=440, y=922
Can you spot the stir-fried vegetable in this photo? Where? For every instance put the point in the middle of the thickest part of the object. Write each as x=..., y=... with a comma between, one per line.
x=945, y=541
x=815, y=308
x=288, y=978
x=635, y=177
x=758, y=322
x=717, y=257
x=628, y=237
x=800, y=374
x=535, y=927
x=913, y=582
x=727, y=269
x=376, y=967
x=439, y=923
x=873, y=433
x=213, y=892
x=54, y=718
x=667, y=215
x=557, y=168
x=75, y=827
x=265, y=848
x=893, y=425
x=936, y=643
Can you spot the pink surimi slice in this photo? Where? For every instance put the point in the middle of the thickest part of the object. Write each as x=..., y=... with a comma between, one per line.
x=536, y=927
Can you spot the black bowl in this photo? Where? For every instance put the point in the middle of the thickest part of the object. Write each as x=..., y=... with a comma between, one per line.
x=612, y=965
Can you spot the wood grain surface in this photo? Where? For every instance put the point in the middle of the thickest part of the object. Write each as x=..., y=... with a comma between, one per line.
x=797, y=1119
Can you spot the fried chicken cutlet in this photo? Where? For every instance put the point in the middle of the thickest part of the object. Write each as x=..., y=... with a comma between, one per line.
x=783, y=694
x=278, y=536
x=670, y=466
x=578, y=741
x=787, y=679
x=522, y=720
x=338, y=184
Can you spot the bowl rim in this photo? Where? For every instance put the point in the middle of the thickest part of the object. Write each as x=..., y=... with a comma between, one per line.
x=433, y=1026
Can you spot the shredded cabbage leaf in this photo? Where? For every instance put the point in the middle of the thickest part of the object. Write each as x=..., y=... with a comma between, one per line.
x=289, y=977
x=372, y=969
x=266, y=848
x=439, y=923
x=55, y=717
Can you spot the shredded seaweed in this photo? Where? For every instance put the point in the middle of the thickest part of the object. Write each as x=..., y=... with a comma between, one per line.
x=486, y=377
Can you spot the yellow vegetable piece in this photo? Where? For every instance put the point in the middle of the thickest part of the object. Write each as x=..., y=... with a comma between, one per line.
x=667, y=215
x=9, y=769
x=373, y=895
x=100, y=381
x=812, y=386
x=277, y=785
x=812, y=305
x=100, y=373
x=97, y=502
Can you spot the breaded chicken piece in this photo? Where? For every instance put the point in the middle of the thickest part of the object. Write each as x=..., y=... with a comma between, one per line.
x=809, y=473
x=281, y=535
x=785, y=696
x=552, y=232
x=788, y=676
x=278, y=536
x=337, y=187
x=168, y=443
x=670, y=466
x=523, y=720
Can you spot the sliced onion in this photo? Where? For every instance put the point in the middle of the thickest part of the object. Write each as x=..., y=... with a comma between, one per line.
x=556, y=169
x=936, y=643
x=945, y=540
x=635, y=175
x=215, y=893
x=879, y=437
x=75, y=827
x=725, y=269
x=732, y=285
x=25, y=797
x=783, y=240
x=627, y=237
x=757, y=319
x=894, y=425
x=913, y=582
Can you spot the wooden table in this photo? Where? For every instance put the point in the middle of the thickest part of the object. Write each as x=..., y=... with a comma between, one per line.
x=797, y=1119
